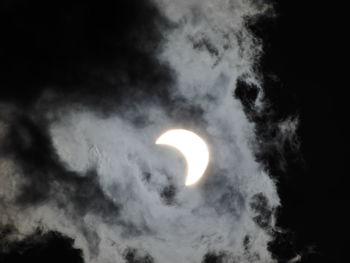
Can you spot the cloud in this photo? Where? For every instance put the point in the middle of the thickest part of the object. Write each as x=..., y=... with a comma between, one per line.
x=38, y=247
x=82, y=160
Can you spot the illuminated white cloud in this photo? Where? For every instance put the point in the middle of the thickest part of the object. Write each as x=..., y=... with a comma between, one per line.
x=208, y=49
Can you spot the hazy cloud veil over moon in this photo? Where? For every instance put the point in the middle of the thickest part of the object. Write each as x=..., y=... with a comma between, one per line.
x=80, y=158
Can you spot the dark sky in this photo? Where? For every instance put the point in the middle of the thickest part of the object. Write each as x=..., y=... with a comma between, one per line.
x=307, y=48
x=304, y=67
x=81, y=45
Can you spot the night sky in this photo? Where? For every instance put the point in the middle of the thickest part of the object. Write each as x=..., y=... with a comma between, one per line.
x=306, y=47
x=87, y=86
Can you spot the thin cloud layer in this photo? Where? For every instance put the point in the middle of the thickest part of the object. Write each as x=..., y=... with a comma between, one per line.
x=85, y=164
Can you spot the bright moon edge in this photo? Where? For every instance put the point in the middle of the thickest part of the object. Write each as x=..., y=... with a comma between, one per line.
x=193, y=148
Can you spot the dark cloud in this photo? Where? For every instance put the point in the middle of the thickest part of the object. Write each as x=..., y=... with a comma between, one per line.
x=168, y=194
x=83, y=50
x=259, y=203
x=131, y=255
x=213, y=257
x=276, y=122
x=247, y=93
x=38, y=247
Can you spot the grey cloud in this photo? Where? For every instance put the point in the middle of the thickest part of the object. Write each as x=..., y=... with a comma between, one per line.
x=104, y=181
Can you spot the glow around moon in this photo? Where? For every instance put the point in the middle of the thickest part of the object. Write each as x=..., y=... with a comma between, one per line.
x=193, y=148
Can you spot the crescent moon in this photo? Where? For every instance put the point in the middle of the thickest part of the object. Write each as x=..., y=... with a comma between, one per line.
x=193, y=148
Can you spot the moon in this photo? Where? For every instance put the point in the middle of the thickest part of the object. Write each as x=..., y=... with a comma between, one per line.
x=193, y=148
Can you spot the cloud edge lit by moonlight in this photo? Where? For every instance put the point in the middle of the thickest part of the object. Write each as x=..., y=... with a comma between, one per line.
x=114, y=191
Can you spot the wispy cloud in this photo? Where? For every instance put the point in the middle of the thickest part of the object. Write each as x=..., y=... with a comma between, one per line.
x=92, y=171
